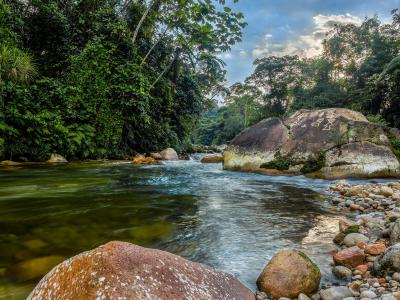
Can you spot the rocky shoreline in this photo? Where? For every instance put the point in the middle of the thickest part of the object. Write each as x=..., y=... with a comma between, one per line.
x=367, y=259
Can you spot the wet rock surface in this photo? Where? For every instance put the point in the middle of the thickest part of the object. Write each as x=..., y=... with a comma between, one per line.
x=288, y=274
x=120, y=270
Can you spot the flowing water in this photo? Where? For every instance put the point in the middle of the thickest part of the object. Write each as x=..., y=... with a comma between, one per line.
x=232, y=221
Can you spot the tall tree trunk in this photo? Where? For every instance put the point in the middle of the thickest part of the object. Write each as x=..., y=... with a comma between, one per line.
x=153, y=46
x=177, y=52
x=139, y=25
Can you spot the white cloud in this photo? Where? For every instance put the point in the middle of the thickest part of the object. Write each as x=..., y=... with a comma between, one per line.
x=307, y=45
x=242, y=53
x=227, y=55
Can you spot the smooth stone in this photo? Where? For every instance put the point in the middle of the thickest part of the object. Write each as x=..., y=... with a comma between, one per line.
x=303, y=297
x=375, y=249
x=352, y=239
x=288, y=274
x=396, y=276
x=368, y=294
x=386, y=191
x=336, y=293
x=341, y=272
x=169, y=154
x=351, y=257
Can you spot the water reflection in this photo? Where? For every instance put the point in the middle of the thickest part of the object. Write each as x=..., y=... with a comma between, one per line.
x=232, y=221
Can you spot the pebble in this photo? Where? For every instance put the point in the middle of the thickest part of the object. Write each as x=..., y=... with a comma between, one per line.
x=303, y=297
x=341, y=272
x=368, y=294
x=375, y=208
x=396, y=276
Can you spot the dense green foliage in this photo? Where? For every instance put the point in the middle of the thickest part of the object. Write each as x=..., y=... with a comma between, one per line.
x=95, y=79
x=358, y=69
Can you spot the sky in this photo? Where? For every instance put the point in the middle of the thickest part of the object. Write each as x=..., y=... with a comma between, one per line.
x=279, y=27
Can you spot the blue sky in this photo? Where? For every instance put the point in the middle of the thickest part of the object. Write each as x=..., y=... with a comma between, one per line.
x=293, y=27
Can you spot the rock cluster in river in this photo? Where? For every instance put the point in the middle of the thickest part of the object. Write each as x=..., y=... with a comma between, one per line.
x=368, y=254
x=153, y=158
x=367, y=198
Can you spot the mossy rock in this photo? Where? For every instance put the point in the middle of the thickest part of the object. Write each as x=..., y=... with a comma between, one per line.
x=279, y=163
x=352, y=229
x=313, y=164
x=288, y=274
x=143, y=235
x=338, y=239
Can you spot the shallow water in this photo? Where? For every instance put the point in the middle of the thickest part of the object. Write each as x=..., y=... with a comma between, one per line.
x=232, y=221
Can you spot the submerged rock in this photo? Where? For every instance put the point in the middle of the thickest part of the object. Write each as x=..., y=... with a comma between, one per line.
x=212, y=159
x=56, y=158
x=120, y=270
x=288, y=274
x=9, y=163
x=34, y=268
x=328, y=143
x=169, y=154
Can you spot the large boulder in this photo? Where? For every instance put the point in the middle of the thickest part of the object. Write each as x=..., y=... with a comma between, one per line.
x=328, y=143
x=169, y=154
x=120, y=270
x=288, y=274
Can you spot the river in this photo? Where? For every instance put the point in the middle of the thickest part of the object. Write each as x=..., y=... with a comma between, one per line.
x=232, y=221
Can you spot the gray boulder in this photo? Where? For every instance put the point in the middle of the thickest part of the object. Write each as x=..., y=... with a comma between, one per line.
x=328, y=143
x=389, y=261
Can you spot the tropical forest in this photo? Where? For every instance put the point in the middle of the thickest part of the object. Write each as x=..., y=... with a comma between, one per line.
x=199, y=149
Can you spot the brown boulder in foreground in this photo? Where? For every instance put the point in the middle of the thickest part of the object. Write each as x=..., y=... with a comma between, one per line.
x=120, y=270
x=288, y=274
x=212, y=159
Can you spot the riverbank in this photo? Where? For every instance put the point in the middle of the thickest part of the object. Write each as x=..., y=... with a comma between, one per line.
x=367, y=243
